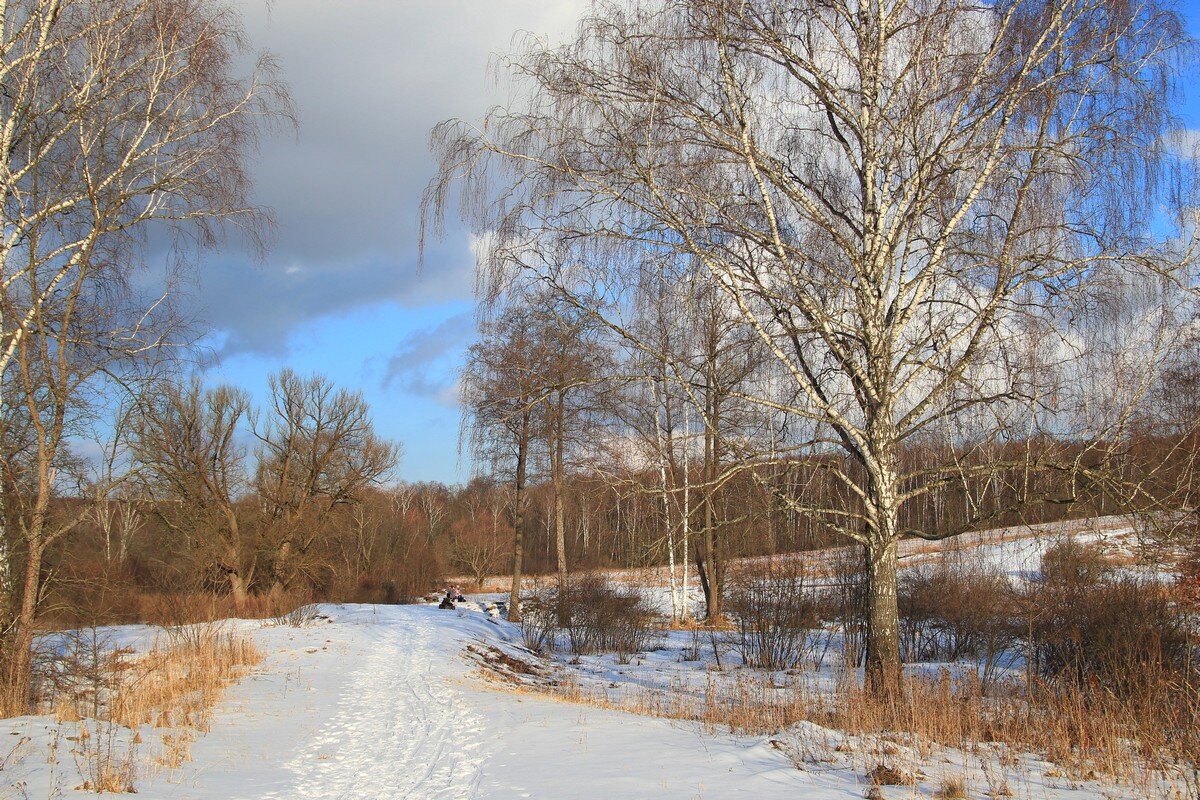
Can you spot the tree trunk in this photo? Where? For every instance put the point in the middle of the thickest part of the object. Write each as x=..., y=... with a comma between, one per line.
x=514, y=597
x=882, y=466
x=702, y=574
x=239, y=589
x=676, y=605
x=19, y=678
x=6, y=552
x=239, y=581
x=708, y=565
x=560, y=525
x=687, y=505
x=883, y=669
x=715, y=579
x=281, y=569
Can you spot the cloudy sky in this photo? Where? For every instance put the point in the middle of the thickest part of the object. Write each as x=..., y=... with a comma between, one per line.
x=341, y=293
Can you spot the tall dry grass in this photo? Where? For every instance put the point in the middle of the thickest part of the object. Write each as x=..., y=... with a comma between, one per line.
x=1087, y=732
x=111, y=693
x=178, y=684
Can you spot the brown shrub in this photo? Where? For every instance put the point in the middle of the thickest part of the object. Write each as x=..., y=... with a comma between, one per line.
x=1089, y=625
x=605, y=617
x=774, y=611
x=956, y=609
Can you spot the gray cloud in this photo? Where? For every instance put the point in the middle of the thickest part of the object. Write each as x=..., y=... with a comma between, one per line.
x=370, y=78
x=410, y=366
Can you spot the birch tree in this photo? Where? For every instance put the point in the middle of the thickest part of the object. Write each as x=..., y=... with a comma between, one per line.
x=118, y=118
x=912, y=205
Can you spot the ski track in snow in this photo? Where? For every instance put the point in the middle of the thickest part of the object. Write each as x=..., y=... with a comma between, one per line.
x=401, y=731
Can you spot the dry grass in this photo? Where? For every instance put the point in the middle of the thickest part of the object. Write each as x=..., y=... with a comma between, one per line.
x=110, y=694
x=1088, y=733
x=178, y=685
x=885, y=774
x=952, y=788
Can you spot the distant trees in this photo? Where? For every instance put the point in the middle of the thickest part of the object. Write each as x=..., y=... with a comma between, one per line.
x=919, y=211
x=317, y=451
x=188, y=443
x=526, y=381
x=480, y=533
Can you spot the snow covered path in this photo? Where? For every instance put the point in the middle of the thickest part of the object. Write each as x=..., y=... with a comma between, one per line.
x=379, y=702
x=400, y=731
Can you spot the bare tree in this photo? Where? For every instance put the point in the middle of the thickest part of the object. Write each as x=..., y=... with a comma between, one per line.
x=575, y=363
x=317, y=450
x=915, y=207
x=186, y=440
x=433, y=500
x=112, y=509
x=702, y=360
x=534, y=376
x=502, y=387
x=116, y=115
x=479, y=541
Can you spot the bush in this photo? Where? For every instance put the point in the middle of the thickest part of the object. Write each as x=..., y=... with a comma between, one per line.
x=775, y=612
x=539, y=616
x=1071, y=565
x=602, y=617
x=844, y=602
x=953, y=610
x=1089, y=624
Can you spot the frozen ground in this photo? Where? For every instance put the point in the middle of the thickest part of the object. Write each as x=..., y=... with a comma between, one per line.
x=367, y=702
x=361, y=702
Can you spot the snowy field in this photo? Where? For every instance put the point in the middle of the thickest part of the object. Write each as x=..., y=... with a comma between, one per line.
x=363, y=702
x=384, y=702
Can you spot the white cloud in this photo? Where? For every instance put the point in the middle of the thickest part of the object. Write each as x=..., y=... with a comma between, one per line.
x=1184, y=143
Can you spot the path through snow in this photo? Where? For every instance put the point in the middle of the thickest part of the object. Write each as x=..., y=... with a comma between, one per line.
x=401, y=730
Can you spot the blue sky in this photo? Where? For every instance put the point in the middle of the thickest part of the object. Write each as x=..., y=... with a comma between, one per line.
x=341, y=293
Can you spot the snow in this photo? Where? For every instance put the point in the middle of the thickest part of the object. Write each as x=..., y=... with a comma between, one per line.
x=358, y=702
x=379, y=702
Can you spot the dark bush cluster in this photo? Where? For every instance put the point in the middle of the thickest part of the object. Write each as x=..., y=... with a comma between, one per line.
x=775, y=611
x=594, y=616
x=842, y=601
x=601, y=616
x=1080, y=623
x=1089, y=623
x=955, y=609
